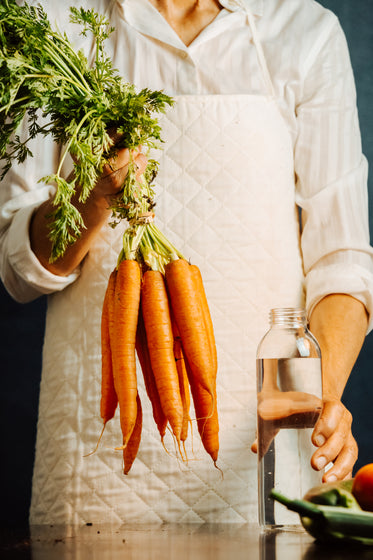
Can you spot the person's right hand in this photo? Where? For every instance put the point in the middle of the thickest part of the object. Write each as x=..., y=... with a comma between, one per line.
x=115, y=172
x=95, y=213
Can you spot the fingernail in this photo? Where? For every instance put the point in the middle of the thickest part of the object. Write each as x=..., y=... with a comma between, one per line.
x=320, y=462
x=320, y=440
x=331, y=478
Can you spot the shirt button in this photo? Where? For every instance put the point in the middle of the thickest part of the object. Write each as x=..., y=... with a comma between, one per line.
x=183, y=54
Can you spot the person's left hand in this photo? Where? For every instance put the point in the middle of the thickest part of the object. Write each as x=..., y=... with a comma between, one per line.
x=333, y=437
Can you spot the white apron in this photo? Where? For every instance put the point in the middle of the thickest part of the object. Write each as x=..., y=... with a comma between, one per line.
x=226, y=199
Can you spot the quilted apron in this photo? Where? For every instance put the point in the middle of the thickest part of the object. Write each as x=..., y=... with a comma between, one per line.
x=226, y=199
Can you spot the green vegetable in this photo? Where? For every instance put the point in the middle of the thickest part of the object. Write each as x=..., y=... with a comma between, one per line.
x=41, y=75
x=333, y=494
x=331, y=523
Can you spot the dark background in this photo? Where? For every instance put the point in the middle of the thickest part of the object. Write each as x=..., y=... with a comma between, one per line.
x=22, y=326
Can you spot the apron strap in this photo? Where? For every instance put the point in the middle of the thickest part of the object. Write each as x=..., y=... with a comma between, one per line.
x=260, y=53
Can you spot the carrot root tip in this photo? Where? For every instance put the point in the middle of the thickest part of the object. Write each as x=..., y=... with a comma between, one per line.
x=164, y=446
x=120, y=447
x=220, y=470
x=179, y=448
x=98, y=442
x=185, y=453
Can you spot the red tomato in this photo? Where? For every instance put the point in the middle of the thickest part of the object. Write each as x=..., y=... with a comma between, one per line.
x=362, y=487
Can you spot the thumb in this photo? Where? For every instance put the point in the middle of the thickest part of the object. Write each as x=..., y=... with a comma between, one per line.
x=254, y=446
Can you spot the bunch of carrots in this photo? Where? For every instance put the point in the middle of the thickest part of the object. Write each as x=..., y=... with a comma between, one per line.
x=165, y=319
x=155, y=306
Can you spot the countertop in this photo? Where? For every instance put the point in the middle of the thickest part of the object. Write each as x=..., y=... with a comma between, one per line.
x=167, y=541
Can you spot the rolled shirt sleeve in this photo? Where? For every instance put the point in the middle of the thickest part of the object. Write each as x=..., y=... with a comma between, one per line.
x=21, y=194
x=331, y=175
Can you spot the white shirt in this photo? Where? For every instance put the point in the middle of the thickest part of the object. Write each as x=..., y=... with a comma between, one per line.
x=313, y=83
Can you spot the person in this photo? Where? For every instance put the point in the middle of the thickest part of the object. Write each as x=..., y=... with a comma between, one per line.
x=264, y=122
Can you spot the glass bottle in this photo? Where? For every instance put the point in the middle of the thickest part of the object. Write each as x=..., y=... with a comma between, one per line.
x=289, y=393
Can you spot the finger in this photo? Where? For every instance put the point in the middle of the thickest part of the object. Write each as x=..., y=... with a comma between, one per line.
x=118, y=161
x=343, y=464
x=113, y=178
x=330, y=417
x=112, y=183
x=348, y=476
x=254, y=446
x=334, y=445
x=141, y=162
x=328, y=452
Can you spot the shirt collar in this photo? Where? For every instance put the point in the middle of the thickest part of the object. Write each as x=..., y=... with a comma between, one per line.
x=144, y=17
x=256, y=6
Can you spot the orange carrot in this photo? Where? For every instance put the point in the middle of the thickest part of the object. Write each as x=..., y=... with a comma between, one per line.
x=126, y=309
x=183, y=379
x=207, y=421
x=186, y=306
x=206, y=312
x=158, y=327
x=132, y=447
x=109, y=399
x=150, y=385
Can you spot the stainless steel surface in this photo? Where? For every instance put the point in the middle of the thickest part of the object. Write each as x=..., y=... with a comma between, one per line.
x=166, y=542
